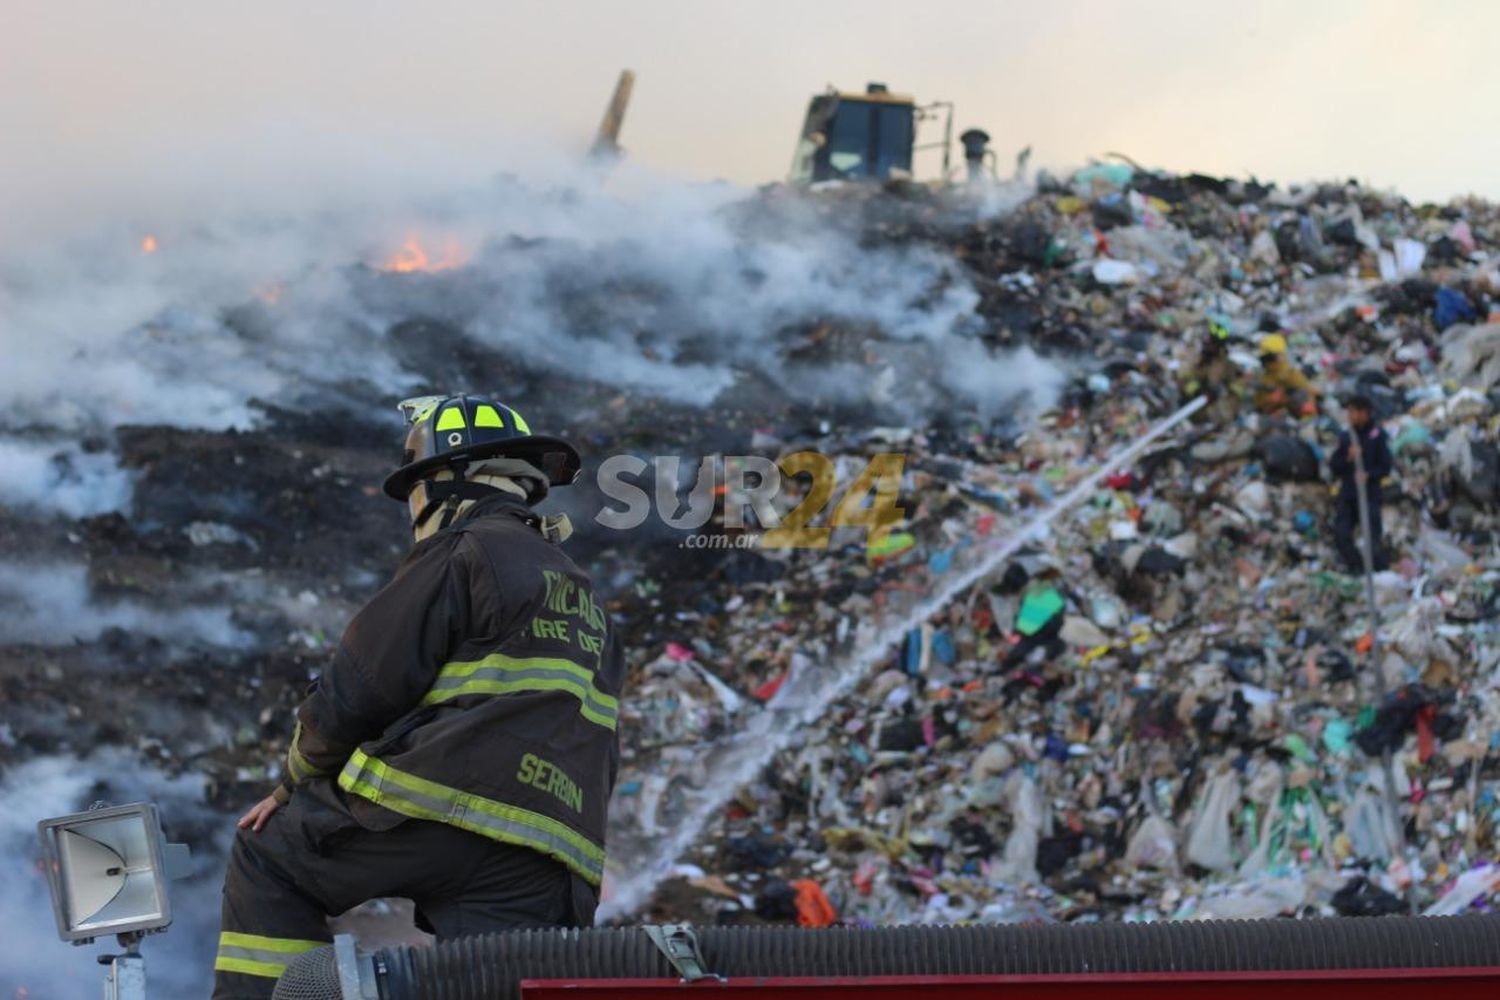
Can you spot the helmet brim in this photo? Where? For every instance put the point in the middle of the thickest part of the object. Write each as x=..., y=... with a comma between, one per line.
x=553, y=456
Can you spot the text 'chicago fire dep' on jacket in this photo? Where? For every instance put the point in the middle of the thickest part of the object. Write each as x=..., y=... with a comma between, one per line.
x=479, y=688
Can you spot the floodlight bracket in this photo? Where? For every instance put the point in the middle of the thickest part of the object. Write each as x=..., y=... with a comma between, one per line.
x=127, y=977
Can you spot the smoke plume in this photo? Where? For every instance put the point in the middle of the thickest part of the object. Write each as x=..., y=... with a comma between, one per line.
x=652, y=284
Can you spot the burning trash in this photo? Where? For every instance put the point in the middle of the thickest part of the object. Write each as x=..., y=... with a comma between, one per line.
x=413, y=256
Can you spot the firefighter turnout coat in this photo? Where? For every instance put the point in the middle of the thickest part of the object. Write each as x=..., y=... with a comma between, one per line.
x=480, y=689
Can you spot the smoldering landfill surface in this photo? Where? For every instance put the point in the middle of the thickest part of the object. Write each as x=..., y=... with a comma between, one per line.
x=198, y=518
x=199, y=417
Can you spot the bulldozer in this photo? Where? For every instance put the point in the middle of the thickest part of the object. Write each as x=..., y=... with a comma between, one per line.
x=872, y=136
x=846, y=136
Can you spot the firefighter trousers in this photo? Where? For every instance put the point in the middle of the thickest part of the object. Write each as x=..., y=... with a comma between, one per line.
x=1348, y=534
x=317, y=857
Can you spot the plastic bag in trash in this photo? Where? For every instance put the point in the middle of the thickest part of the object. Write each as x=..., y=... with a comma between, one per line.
x=1210, y=841
x=1153, y=845
x=1466, y=889
x=1288, y=459
x=1368, y=824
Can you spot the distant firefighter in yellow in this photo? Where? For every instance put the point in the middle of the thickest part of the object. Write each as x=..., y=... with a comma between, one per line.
x=1281, y=387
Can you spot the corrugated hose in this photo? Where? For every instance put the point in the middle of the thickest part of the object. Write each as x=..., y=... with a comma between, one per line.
x=492, y=966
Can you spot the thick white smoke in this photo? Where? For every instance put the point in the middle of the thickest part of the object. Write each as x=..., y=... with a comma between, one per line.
x=62, y=477
x=50, y=604
x=651, y=283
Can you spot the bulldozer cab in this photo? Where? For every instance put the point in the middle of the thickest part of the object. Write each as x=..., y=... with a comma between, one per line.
x=853, y=136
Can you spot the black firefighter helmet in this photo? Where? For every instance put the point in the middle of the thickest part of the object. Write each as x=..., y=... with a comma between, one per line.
x=454, y=432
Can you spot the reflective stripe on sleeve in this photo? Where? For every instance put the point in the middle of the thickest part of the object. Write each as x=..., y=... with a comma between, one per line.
x=298, y=766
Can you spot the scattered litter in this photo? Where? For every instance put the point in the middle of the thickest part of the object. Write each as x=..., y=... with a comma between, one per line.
x=1171, y=703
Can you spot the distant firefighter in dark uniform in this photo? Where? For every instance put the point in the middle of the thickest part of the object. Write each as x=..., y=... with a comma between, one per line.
x=1376, y=456
x=460, y=748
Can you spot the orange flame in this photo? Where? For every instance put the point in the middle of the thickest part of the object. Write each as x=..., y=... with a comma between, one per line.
x=148, y=244
x=414, y=257
x=270, y=294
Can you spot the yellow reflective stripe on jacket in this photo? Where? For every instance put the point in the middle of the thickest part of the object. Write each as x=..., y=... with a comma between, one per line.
x=374, y=779
x=256, y=955
x=501, y=674
x=298, y=766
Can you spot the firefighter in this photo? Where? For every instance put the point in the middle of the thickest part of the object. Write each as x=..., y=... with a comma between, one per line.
x=1212, y=373
x=1370, y=438
x=1281, y=386
x=460, y=747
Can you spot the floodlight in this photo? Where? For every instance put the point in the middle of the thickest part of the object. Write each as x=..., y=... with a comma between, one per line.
x=108, y=870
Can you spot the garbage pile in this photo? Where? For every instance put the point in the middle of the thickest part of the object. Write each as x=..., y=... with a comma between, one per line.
x=1174, y=704
x=1168, y=702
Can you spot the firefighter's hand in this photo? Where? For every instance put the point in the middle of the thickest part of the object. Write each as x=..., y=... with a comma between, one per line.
x=256, y=818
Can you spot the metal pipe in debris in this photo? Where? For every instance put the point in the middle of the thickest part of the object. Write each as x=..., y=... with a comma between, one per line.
x=1367, y=554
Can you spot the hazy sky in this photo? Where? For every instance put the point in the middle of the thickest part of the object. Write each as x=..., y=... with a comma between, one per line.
x=111, y=102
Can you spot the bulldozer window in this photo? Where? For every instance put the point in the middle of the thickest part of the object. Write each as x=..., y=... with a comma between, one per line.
x=870, y=140
x=894, y=138
x=849, y=141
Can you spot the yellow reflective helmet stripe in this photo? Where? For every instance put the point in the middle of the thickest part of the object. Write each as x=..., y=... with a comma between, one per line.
x=452, y=419
x=486, y=415
x=519, y=421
